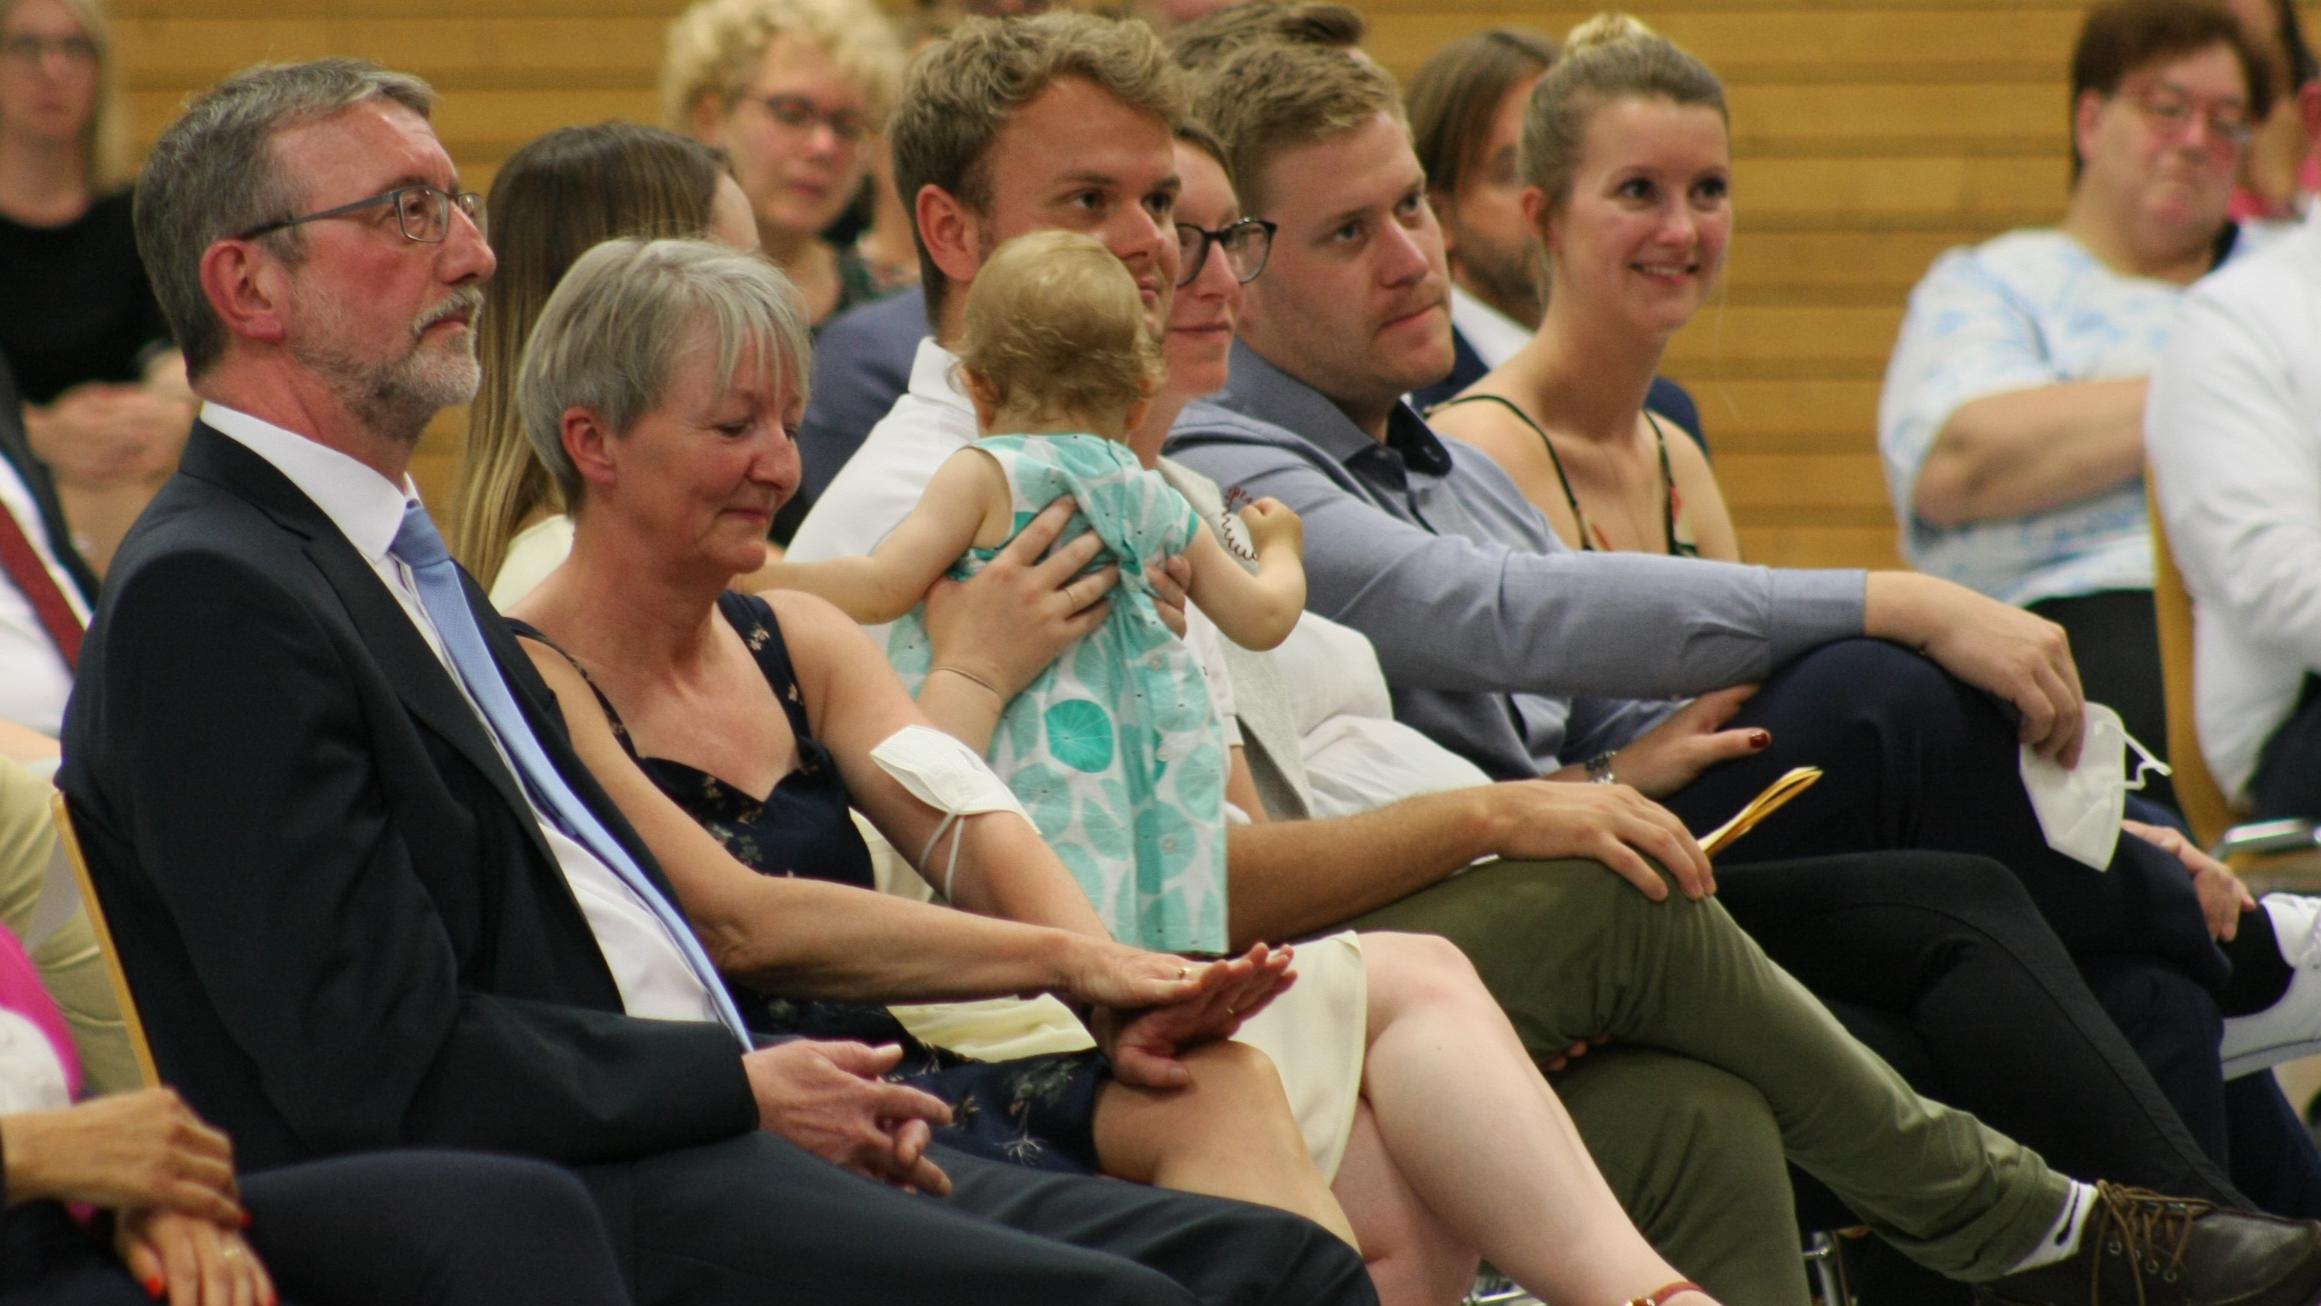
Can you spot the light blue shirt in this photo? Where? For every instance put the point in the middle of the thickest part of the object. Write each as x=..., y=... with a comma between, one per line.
x=2028, y=309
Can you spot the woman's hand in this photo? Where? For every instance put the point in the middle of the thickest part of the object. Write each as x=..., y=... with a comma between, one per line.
x=1143, y=1041
x=124, y=1151
x=827, y=1098
x=1672, y=754
x=2222, y=896
x=1006, y=625
x=188, y=1261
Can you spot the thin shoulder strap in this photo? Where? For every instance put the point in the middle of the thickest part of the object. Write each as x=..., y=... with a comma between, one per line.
x=1579, y=519
x=526, y=630
x=1676, y=548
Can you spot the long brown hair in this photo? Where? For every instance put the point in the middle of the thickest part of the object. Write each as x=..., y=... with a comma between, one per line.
x=554, y=199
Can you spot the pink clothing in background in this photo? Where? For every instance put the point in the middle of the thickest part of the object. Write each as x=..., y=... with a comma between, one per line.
x=22, y=993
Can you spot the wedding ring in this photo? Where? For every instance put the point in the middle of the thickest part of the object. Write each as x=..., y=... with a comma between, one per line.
x=1182, y=972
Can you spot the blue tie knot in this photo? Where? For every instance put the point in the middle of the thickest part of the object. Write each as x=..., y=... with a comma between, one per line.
x=417, y=542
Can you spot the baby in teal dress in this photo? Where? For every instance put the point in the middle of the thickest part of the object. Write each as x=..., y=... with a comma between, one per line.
x=1116, y=749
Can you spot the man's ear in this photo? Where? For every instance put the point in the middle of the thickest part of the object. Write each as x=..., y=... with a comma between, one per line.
x=588, y=444
x=246, y=289
x=1446, y=217
x=951, y=232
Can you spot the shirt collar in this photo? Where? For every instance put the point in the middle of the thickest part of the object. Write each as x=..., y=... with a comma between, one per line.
x=366, y=507
x=1261, y=390
x=935, y=377
x=1493, y=335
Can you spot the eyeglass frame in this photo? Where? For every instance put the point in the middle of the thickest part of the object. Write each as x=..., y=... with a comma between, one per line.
x=2172, y=119
x=466, y=201
x=1216, y=239
x=800, y=114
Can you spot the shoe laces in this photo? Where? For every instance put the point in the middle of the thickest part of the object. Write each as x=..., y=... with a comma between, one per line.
x=2151, y=1231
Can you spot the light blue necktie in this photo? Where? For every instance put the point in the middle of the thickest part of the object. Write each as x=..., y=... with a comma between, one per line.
x=421, y=548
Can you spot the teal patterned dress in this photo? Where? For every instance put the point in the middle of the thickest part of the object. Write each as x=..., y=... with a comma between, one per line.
x=1115, y=750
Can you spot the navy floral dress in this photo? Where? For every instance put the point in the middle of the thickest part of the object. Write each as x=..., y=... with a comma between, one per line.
x=1037, y=1111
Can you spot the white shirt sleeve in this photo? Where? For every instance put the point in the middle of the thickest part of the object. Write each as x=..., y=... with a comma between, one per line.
x=2234, y=442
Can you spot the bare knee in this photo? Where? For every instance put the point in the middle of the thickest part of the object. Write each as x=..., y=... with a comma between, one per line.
x=1409, y=971
x=1229, y=1069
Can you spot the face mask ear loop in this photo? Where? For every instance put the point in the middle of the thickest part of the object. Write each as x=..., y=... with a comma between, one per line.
x=957, y=829
x=2145, y=762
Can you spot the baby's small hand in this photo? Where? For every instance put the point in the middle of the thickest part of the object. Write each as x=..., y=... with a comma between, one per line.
x=1271, y=523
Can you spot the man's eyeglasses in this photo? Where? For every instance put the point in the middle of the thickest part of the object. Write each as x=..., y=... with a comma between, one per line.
x=423, y=212
x=2170, y=111
x=799, y=114
x=1245, y=244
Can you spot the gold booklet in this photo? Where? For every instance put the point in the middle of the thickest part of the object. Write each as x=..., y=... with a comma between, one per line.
x=1797, y=781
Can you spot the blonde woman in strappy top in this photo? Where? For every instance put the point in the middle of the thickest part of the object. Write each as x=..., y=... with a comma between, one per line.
x=1627, y=168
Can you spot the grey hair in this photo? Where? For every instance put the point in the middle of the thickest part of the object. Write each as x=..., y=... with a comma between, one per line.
x=213, y=175
x=609, y=338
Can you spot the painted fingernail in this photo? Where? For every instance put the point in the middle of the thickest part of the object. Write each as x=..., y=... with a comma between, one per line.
x=1759, y=739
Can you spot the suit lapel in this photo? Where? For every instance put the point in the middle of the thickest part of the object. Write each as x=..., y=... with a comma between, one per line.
x=420, y=679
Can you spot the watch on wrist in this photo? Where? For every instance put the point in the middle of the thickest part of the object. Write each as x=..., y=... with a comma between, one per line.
x=1600, y=770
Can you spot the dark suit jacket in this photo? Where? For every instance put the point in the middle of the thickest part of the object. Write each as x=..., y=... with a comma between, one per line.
x=338, y=916
x=17, y=450
x=1666, y=397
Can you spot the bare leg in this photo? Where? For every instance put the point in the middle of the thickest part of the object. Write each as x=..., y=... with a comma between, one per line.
x=1413, y=1259
x=1230, y=1134
x=1482, y=1141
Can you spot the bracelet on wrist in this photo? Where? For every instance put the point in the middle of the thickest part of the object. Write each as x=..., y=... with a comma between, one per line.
x=971, y=678
x=1600, y=770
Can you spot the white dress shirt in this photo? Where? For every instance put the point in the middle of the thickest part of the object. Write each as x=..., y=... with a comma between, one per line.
x=882, y=482
x=1493, y=335
x=367, y=509
x=2232, y=428
x=34, y=680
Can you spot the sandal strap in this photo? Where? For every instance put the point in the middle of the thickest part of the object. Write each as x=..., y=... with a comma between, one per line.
x=1661, y=1297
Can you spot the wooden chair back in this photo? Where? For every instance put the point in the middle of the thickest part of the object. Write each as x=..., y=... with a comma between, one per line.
x=138, y=1045
x=2206, y=808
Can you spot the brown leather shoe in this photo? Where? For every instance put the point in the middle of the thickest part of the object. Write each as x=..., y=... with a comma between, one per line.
x=2153, y=1250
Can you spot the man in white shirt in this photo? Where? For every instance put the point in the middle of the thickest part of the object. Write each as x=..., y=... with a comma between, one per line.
x=2232, y=428
x=365, y=891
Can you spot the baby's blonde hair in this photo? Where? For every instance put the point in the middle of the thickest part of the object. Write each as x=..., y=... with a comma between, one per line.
x=1056, y=332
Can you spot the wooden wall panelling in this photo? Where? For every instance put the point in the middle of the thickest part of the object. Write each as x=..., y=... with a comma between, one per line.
x=1869, y=135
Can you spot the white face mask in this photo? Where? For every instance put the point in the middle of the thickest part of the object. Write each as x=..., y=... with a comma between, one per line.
x=2079, y=809
x=947, y=776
